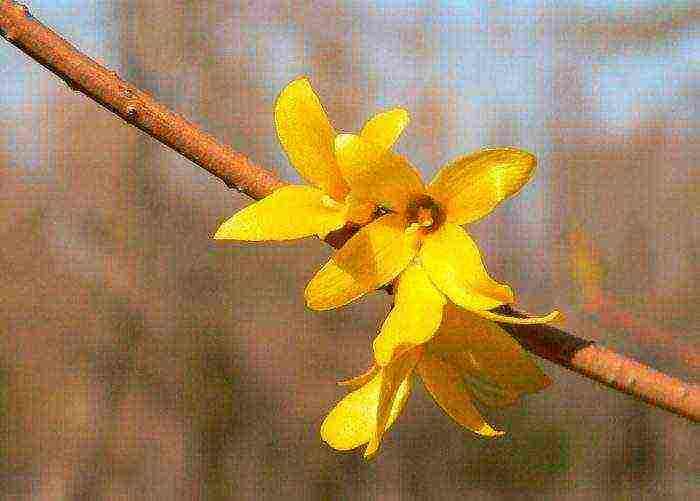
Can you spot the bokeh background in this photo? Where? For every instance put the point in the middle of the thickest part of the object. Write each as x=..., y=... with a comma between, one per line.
x=139, y=359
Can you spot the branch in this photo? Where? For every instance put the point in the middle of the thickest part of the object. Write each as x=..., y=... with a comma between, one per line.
x=607, y=367
x=139, y=109
x=133, y=105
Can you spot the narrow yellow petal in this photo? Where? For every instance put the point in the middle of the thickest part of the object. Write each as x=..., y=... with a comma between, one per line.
x=307, y=137
x=352, y=422
x=393, y=377
x=370, y=259
x=444, y=383
x=517, y=320
x=497, y=369
x=289, y=212
x=471, y=186
x=375, y=174
x=362, y=379
x=384, y=129
x=454, y=264
x=415, y=317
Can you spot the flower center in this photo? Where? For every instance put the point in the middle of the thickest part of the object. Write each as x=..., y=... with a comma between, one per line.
x=425, y=214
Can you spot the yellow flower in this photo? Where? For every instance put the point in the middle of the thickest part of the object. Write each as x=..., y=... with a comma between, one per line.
x=308, y=137
x=421, y=234
x=470, y=358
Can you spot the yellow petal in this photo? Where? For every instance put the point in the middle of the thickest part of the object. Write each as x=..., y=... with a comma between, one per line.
x=307, y=136
x=393, y=377
x=370, y=259
x=471, y=186
x=415, y=317
x=454, y=264
x=289, y=212
x=360, y=380
x=497, y=369
x=352, y=422
x=376, y=174
x=496, y=317
x=359, y=212
x=384, y=129
x=449, y=391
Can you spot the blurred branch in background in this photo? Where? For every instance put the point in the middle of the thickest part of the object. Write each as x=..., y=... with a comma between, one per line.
x=650, y=24
x=236, y=171
x=588, y=272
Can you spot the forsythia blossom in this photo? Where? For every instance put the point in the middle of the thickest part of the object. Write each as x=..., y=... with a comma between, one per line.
x=422, y=237
x=308, y=137
x=441, y=326
x=470, y=358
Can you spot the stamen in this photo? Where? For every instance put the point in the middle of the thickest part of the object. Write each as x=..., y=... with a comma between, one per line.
x=412, y=228
x=426, y=212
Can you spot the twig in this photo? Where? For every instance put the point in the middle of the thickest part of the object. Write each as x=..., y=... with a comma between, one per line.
x=139, y=109
x=609, y=368
x=133, y=105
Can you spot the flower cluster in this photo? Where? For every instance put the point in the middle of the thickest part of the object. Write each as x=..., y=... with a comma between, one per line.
x=411, y=236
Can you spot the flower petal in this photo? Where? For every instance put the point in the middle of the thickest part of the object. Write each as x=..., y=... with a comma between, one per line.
x=360, y=380
x=393, y=376
x=289, y=212
x=454, y=264
x=449, y=391
x=415, y=317
x=384, y=129
x=497, y=369
x=506, y=319
x=471, y=186
x=370, y=259
x=307, y=137
x=375, y=174
x=352, y=422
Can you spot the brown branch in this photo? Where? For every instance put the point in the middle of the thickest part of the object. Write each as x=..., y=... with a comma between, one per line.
x=133, y=105
x=139, y=109
x=609, y=368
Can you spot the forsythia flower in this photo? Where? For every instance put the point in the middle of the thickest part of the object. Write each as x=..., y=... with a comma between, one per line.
x=421, y=234
x=470, y=358
x=307, y=136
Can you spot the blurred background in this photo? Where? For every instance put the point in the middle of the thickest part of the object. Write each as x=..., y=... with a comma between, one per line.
x=140, y=359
